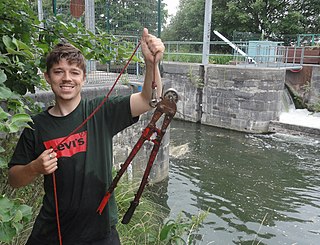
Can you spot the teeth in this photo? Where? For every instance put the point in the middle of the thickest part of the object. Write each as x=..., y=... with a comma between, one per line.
x=67, y=87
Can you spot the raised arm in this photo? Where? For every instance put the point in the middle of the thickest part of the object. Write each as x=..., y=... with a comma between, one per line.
x=152, y=50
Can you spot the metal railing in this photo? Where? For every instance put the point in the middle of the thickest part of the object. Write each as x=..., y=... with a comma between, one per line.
x=258, y=53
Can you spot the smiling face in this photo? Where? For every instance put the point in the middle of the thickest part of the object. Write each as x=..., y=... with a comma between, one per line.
x=66, y=81
x=66, y=72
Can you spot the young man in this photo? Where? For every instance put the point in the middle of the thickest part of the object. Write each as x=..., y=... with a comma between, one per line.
x=83, y=162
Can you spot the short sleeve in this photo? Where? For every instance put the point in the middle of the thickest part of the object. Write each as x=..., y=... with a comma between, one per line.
x=25, y=149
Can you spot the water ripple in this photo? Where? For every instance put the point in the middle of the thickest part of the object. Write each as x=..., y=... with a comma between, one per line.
x=258, y=188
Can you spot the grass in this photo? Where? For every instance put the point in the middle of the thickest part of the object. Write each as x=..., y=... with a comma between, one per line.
x=197, y=58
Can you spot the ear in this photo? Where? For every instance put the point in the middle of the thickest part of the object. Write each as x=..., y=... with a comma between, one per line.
x=47, y=77
x=84, y=78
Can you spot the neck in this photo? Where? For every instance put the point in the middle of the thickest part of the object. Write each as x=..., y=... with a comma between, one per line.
x=64, y=108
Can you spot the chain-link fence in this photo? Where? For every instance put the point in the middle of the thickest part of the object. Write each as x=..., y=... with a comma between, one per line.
x=123, y=18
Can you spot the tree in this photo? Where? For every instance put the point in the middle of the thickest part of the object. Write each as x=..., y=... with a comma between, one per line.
x=271, y=19
x=118, y=17
x=128, y=17
x=187, y=24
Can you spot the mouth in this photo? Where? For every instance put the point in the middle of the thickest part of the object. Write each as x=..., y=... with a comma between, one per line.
x=67, y=87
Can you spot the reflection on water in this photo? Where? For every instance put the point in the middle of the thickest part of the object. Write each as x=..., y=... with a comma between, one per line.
x=260, y=189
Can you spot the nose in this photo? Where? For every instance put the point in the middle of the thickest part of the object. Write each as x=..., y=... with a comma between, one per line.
x=66, y=76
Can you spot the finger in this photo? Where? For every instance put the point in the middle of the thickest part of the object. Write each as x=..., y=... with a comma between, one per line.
x=51, y=165
x=145, y=34
x=51, y=169
x=49, y=154
x=47, y=151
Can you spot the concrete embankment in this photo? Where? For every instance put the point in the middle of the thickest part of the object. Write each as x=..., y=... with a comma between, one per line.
x=240, y=98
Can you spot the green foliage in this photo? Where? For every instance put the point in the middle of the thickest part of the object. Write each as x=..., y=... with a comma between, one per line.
x=195, y=79
x=147, y=223
x=182, y=230
x=12, y=216
x=183, y=26
x=315, y=107
x=125, y=17
x=197, y=58
x=24, y=43
x=272, y=19
x=23, y=46
x=144, y=225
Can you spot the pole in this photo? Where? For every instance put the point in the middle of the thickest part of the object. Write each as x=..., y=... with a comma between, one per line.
x=108, y=16
x=54, y=7
x=159, y=18
x=206, y=32
x=40, y=12
x=90, y=25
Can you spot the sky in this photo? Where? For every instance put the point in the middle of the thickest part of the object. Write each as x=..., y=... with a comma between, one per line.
x=171, y=6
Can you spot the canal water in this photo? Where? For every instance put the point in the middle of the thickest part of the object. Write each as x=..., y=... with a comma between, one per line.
x=259, y=189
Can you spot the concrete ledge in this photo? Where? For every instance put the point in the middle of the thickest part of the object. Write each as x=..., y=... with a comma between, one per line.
x=278, y=127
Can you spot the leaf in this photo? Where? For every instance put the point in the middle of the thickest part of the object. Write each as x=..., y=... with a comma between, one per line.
x=8, y=42
x=4, y=60
x=17, y=217
x=21, y=118
x=12, y=51
x=7, y=232
x=14, y=41
x=13, y=128
x=3, y=163
x=5, y=203
x=28, y=54
x=6, y=93
x=18, y=227
x=164, y=234
x=3, y=76
x=3, y=115
x=26, y=212
x=22, y=45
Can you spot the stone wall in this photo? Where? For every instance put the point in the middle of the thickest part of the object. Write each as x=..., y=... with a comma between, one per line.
x=238, y=98
x=242, y=99
x=185, y=78
x=315, y=86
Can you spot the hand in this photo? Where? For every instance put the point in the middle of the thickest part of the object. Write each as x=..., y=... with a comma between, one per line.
x=152, y=47
x=46, y=163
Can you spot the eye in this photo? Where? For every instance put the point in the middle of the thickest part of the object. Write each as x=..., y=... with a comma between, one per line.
x=57, y=72
x=76, y=73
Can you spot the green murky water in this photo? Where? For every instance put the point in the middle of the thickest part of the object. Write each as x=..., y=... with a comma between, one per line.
x=260, y=189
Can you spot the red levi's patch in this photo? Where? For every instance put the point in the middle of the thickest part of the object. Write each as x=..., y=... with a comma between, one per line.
x=72, y=145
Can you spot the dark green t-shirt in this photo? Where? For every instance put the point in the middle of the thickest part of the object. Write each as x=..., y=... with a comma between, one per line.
x=84, y=168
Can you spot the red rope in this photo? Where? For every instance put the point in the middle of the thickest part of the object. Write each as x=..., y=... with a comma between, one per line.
x=154, y=85
x=56, y=205
x=79, y=127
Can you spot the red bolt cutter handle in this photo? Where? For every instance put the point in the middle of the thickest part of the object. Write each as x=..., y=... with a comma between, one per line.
x=166, y=106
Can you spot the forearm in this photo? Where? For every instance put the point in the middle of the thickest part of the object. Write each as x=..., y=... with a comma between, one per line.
x=22, y=175
x=152, y=50
x=152, y=75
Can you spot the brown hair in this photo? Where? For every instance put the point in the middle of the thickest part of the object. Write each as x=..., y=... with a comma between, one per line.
x=66, y=51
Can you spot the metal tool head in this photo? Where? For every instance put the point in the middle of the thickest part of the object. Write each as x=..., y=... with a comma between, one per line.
x=154, y=102
x=171, y=94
